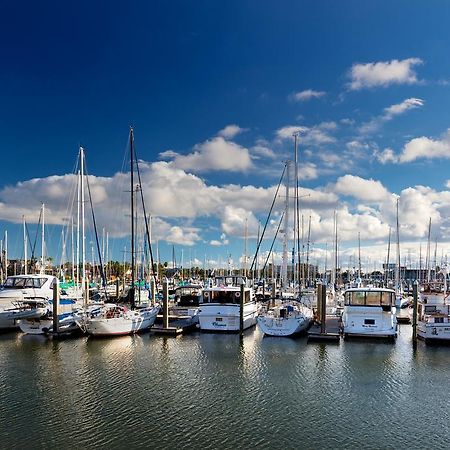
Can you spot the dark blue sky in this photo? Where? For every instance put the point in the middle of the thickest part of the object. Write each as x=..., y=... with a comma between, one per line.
x=179, y=71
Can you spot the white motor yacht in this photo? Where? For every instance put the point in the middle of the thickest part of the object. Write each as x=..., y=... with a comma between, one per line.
x=369, y=311
x=221, y=305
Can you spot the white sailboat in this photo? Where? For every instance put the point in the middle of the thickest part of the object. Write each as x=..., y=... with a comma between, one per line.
x=288, y=317
x=115, y=320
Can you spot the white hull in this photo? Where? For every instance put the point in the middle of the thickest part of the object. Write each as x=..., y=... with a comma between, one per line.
x=369, y=321
x=35, y=326
x=130, y=323
x=283, y=326
x=214, y=317
x=433, y=331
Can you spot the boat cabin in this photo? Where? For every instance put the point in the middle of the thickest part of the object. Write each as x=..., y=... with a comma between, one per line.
x=188, y=295
x=225, y=296
x=370, y=298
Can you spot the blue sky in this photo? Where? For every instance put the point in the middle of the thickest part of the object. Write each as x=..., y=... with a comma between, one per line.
x=367, y=83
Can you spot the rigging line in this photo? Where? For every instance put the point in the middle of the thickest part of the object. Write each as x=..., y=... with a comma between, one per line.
x=147, y=230
x=268, y=217
x=102, y=273
x=273, y=242
x=33, y=249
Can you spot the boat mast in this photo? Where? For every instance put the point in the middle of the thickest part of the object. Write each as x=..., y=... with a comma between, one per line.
x=308, y=244
x=359, y=256
x=43, y=240
x=388, y=258
x=78, y=226
x=83, y=236
x=398, y=288
x=428, y=257
x=132, y=214
x=72, y=253
x=25, y=245
x=245, y=248
x=286, y=230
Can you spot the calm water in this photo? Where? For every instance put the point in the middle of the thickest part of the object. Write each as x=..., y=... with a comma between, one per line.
x=217, y=391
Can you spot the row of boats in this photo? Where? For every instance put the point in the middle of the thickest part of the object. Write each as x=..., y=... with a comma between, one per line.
x=26, y=304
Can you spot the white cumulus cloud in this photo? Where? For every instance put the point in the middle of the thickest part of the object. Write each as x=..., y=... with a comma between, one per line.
x=427, y=148
x=216, y=154
x=230, y=131
x=308, y=94
x=383, y=73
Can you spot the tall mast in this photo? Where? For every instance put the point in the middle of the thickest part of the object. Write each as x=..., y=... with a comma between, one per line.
x=398, y=288
x=25, y=245
x=132, y=214
x=78, y=226
x=83, y=236
x=359, y=255
x=388, y=258
x=258, y=276
x=72, y=252
x=428, y=257
x=297, y=217
x=286, y=230
x=43, y=240
x=245, y=247
x=308, y=243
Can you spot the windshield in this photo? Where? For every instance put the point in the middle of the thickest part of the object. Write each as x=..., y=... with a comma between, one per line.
x=369, y=298
x=24, y=282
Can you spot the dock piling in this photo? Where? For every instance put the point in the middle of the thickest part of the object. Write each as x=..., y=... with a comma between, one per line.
x=414, y=324
x=165, y=304
x=241, y=312
x=55, y=307
x=153, y=290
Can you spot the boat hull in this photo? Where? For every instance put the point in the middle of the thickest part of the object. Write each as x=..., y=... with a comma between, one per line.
x=120, y=326
x=283, y=326
x=226, y=318
x=434, y=332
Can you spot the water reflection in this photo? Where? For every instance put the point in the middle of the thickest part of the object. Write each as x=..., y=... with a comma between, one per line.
x=210, y=391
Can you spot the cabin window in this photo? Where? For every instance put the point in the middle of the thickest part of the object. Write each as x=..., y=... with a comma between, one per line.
x=430, y=309
x=387, y=298
x=438, y=320
x=369, y=321
x=373, y=298
x=357, y=298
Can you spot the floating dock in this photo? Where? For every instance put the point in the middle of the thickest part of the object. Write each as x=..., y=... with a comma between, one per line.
x=177, y=325
x=330, y=333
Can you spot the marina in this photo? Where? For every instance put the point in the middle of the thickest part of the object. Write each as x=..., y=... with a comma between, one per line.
x=225, y=225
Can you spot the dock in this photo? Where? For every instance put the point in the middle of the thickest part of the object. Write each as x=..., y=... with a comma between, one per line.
x=331, y=332
x=177, y=325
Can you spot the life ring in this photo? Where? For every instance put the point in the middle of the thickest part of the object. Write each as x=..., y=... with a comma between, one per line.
x=237, y=294
x=205, y=294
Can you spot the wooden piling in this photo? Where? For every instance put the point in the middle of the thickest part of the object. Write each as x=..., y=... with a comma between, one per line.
x=323, y=308
x=165, y=304
x=117, y=288
x=415, y=300
x=319, y=303
x=153, y=290
x=55, y=307
x=241, y=312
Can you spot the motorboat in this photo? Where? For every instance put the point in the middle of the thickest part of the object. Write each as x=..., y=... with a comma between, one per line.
x=220, y=308
x=369, y=312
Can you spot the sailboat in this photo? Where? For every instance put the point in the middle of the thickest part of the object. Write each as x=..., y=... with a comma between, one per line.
x=117, y=320
x=289, y=316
